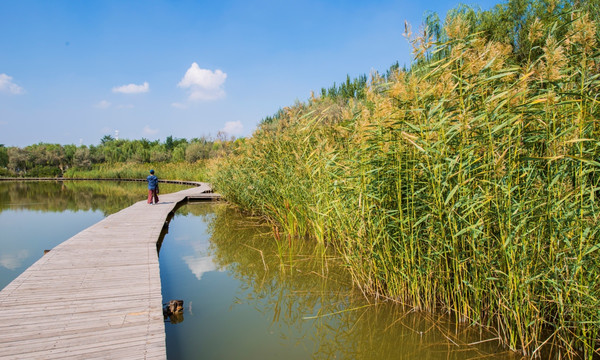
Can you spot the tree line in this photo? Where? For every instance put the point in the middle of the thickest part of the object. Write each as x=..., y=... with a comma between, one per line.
x=46, y=159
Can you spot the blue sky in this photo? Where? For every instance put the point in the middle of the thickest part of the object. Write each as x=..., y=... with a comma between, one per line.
x=74, y=71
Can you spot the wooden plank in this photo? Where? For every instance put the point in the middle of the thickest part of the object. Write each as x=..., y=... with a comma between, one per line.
x=97, y=295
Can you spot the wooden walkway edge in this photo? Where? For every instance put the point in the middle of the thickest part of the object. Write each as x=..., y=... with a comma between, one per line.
x=97, y=295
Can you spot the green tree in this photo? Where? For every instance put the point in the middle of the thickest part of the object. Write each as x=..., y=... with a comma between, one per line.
x=3, y=156
x=18, y=160
x=69, y=153
x=197, y=150
x=106, y=139
x=82, y=158
x=96, y=155
x=179, y=153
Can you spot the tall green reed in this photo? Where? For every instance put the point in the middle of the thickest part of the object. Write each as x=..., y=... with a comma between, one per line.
x=469, y=184
x=172, y=171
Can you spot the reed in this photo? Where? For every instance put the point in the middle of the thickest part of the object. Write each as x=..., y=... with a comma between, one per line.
x=126, y=170
x=469, y=184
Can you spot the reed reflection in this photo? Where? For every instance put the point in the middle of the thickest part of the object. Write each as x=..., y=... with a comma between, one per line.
x=311, y=304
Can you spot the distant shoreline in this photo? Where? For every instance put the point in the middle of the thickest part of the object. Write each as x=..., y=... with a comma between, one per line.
x=180, y=182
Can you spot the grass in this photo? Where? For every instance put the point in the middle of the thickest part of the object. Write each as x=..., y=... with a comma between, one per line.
x=468, y=185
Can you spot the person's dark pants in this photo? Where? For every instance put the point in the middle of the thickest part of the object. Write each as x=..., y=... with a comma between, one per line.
x=152, y=194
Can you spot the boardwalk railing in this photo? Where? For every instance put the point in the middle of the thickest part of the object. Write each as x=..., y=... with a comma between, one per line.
x=96, y=295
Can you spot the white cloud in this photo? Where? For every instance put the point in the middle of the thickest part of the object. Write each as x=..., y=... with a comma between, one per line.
x=203, y=84
x=7, y=85
x=199, y=265
x=102, y=104
x=149, y=131
x=233, y=128
x=13, y=261
x=132, y=88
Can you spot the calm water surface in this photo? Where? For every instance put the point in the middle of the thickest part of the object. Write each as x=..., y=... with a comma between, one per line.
x=248, y=297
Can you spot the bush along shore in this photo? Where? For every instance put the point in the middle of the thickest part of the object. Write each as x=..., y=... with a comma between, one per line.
x=469, y=183
x=114, y=158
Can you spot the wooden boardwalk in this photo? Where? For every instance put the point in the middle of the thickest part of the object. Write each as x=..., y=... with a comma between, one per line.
x=96, y=295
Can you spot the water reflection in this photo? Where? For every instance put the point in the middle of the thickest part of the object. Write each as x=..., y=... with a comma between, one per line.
x=12, y=261
x=35, y=216
x=273, y=301
x=199, y=265
x=59, y=196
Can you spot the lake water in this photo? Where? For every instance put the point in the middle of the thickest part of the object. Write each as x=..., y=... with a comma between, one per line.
x=246, y=296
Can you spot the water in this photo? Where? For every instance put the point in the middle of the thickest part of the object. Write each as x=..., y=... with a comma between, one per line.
x=37, y=216
x=24, y=241
x=245, y=296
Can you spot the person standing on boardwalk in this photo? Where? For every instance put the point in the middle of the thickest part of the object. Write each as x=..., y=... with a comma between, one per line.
x=152, y=188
